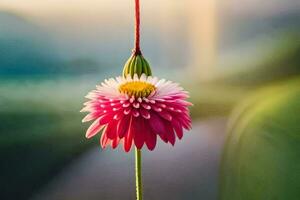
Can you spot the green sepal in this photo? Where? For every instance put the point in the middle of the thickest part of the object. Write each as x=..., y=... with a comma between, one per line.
x=147, y=66
x=136, y=64
x=127, y=64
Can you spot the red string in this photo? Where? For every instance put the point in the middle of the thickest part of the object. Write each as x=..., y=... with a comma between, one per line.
x=137, y=49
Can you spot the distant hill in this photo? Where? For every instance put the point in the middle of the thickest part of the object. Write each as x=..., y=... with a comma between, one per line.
x=26, y=49
x=260, y=49
x=280, y=62
x=239, y=30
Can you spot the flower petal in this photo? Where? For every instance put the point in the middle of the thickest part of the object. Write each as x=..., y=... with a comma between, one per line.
x=170, y=133
x=93, y=129
x=91, y=116
x=177, y=127
x=123, y=126
x=128, y=137
x=145, y=113
x=157, y=125
x=105, y=119
x=115, y=142
x=166, y=115
x=111, y=129
x=139, y=132
x=104, y=140
x=150, y=138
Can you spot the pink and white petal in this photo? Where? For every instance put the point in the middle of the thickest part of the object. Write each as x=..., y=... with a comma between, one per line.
x=115, y=142
x=143, y=77
x=170, y=133
x=135, y=112
x=111, y=130
x=129, y=137
x=91, y=116
x=146, y=106
x=166, y=115
x=94, y=128
x=123, y=126
x=105, y=119
x=91, y=107
x=156, y=108
x=150, y=138
x=139, y=132
x=145, y=113
x=127, y=111
x=156, y=123
x=178, y=128
x=104, y=140
x=184, y=119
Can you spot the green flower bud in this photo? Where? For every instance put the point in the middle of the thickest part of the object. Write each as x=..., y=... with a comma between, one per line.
x=136, y=64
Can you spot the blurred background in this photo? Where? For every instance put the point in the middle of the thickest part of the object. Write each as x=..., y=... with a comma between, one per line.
x=226, y=53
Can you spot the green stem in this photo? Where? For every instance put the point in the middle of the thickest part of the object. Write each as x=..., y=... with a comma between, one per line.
x=138, y=174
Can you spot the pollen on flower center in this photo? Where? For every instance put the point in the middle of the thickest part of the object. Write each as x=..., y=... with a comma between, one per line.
x=137, y=89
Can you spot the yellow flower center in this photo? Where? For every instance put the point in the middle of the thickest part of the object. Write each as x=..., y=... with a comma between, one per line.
x=137, y=89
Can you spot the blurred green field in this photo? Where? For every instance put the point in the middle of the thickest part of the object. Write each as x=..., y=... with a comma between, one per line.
x=40, y=131
x=261, y=155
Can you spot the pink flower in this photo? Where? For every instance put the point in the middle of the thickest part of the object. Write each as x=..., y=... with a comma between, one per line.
x=136, y=110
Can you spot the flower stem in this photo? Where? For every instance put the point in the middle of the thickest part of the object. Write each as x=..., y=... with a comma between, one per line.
x=138, y=174
x=137, y=50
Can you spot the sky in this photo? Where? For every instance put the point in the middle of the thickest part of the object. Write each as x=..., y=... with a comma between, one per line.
x=92, y=12
x=75, y=7
x=95, y=24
